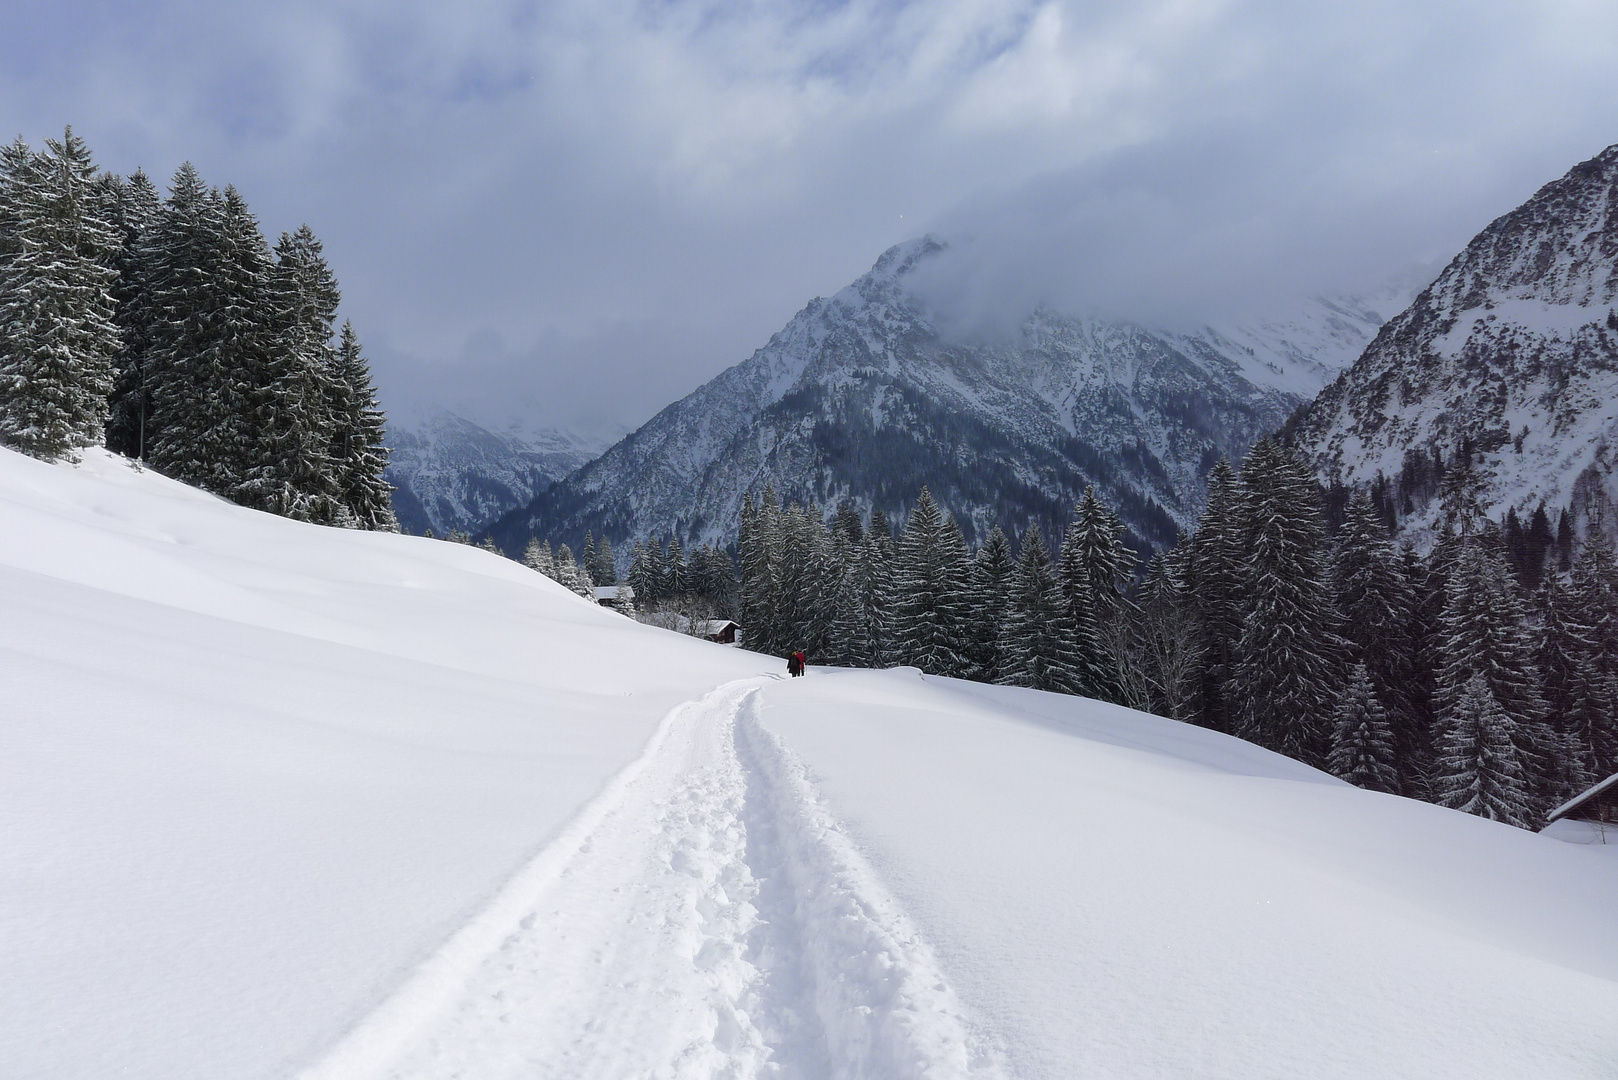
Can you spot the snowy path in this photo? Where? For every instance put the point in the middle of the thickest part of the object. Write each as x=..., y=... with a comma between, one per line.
x=704, y=917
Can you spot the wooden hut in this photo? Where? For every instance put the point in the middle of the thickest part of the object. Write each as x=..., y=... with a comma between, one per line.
x=1599, y=804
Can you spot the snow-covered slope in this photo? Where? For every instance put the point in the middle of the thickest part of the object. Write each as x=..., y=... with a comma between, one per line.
x=252, y=770
x=280, y=800
x=451, y=473
x=1515, y=345
x=860, y=396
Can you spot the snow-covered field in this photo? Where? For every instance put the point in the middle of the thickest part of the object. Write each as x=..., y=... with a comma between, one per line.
x=278, y=800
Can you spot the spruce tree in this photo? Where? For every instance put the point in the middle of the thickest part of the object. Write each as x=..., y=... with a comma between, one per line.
x=1378, y=607
x=929, y=592
x=1363, y=749
x=1287, y=670
x=993, y=570
x=58, y=340
x=760, y=553
x=139, y=208
x=1094, y=568
x=537, y=557
x=570, y=576
x=1036, y=644
x=1215, y=577
x=642, y=577
x=1564, y=648
x=882, y=554
x=358, y=451
x=675, y=584
x=802, y=593
x=847, y=522
x=1170, y=635
x=1484, y=632
x=296, y=403
x=851, y=630
x=605, y=568
x=192, y=369
x=1587, y=686
x=1477, y=767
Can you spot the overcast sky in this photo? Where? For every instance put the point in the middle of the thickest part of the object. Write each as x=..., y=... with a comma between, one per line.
x=585, y=208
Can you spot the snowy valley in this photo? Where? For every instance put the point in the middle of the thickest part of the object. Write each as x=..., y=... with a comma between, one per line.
x=290, y=800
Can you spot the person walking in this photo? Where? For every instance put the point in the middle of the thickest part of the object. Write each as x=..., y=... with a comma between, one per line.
x=801, y=660
x=792, y=665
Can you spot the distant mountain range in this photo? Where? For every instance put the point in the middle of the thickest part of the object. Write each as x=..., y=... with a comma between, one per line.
x=862, y=398
x=451, y=473
x=1513, y=348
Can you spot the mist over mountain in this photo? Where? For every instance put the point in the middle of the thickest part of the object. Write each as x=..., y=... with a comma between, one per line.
x=451, y=473
x=869, y=395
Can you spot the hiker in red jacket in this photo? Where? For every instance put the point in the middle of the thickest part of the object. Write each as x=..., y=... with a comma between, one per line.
x=800, y=662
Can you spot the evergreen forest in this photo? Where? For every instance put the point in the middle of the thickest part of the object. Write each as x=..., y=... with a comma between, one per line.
x=1481, y=675
x=170, y=331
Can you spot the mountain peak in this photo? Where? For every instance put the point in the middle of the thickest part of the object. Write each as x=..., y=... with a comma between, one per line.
x=1513, y=350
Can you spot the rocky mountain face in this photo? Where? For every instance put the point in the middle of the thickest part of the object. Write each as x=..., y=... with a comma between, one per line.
x=861, y=398
x=450, y=473
x=1513, y=350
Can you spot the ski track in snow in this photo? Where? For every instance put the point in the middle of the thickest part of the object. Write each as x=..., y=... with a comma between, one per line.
x=703, y=917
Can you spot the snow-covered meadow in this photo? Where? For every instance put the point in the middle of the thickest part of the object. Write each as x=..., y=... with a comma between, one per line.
x=280, y=800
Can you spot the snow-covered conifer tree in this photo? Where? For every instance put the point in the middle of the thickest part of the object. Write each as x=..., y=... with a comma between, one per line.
x=1476, y=764
x=570, y=576
x=993, y=572
x=802, y=593
x=58, y=340
x=1484, y=632
x=1378, y=607
x=359, y=452
x=1093, y=570
x=1363, y=748
x=882, y=553
x=537, y=557
x=295, y=402
x=1036, y=643
x=192, y=375
x=1288, y=669
x=642, y=577
x=929, y=592
x=139, y=208
x=675, y=584
x=1215, y=577
x=605, y=568
x=1170, y=635
x=847, y=522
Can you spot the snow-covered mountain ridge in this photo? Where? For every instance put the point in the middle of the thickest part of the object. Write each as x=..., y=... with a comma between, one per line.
x=1514, y=346
x=862, y=397
x=451, y=473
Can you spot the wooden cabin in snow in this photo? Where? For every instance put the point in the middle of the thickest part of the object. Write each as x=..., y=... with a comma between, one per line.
x=1591, y=818
x=607, y=595
x=1600, y=803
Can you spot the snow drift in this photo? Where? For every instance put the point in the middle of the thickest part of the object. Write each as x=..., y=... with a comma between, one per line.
x=280, y=799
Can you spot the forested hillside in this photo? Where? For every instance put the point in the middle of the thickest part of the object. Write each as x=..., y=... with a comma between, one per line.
x=169, y=329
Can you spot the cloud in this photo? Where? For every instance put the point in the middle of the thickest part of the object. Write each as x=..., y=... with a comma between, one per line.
x=642, y=192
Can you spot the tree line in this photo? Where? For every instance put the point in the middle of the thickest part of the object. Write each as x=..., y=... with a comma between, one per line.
x=1464, y=676
x=169, y=330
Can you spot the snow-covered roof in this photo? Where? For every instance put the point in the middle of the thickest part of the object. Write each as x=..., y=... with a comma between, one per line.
x=1579, y=800
x=610, y=592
